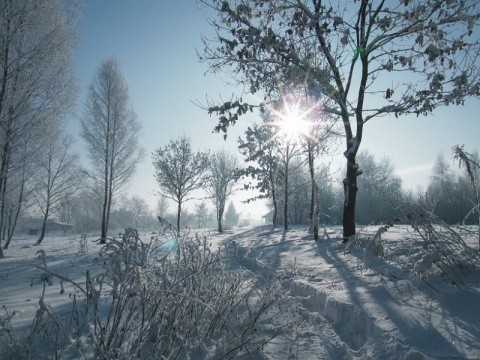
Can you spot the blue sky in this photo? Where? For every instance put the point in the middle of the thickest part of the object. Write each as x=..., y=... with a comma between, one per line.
x=155, y=43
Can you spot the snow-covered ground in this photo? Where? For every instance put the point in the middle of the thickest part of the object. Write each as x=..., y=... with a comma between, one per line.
x=338, y=309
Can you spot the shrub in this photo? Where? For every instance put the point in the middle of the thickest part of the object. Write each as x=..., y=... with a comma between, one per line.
x=149, y=302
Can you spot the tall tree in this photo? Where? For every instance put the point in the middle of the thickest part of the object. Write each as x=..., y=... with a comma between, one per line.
x=288, y=154
x=349, y=54
x=260, y=148
x=232, y=217
x=36, y=77
x=58, y=179
x=20, y=186
x=220, y=181
x=179, y=171
x=201, y=214
x=88, y=207
x=472, y=167
x=140, y=211
x=111, y=130
x=441, y=195
x=162, y=206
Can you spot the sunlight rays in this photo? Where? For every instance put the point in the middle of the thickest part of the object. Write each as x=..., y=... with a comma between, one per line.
x=293, y=124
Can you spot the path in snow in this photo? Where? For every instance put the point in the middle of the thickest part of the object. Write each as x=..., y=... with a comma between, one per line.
x=352, y=313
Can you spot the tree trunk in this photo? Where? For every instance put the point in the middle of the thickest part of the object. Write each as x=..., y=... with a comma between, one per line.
x=285, y=210
x=313, y=200
x=179, y=210
x=103, y=236
x=350, y=191
x=44, y=227
x=5, y=162
x=274, y=200
x=17, y=213
x=315, y=210
x=285, y=205
x=219, y=219
x=109, y=207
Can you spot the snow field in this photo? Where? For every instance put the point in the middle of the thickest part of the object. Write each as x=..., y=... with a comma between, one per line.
x=328, y=304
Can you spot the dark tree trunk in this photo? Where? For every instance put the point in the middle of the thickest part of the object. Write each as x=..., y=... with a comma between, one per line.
x=109, y=208
x=13, y=223
x=275, y=214
x=285, y=205
x=179, y=210
x=44, y=228
x=314, y=196
x=219, y=219
x=103, y=236
x=315, y=210
x=5, y=163
x=274, y=199
x=350, y=191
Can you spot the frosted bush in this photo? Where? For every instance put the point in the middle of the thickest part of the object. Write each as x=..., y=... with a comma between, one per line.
x=374, y=247
x=425, y=264
x=432, y=247
x=149, y=303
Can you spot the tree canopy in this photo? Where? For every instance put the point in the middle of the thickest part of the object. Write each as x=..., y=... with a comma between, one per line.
x=360, y=59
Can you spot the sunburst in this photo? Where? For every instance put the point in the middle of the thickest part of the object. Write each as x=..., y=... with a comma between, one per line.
x=293, y=123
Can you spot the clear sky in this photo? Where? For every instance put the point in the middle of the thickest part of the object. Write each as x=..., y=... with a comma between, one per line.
x=155, y=42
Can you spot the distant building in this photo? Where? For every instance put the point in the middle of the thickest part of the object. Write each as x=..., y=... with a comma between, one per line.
x=33, y=226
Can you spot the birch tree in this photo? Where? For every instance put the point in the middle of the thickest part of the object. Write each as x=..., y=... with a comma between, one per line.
x=201, y=214
x=59, y=178
x=362, y=59
x=220, y=181
x=36, y=82
x=179, y=171
x=140, y=211
x=111, y=132
x=20, y=187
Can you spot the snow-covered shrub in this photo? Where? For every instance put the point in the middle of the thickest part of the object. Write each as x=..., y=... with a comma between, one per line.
x=425, y=264
x=83, y=244
x=374, y=247
x=151, y=303
x=431, y=247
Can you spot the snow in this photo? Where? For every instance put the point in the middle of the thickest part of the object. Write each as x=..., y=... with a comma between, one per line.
x=342, y=303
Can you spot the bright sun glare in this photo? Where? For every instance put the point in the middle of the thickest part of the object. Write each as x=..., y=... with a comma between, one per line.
x=293, y=124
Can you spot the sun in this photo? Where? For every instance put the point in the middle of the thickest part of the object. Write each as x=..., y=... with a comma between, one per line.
x=293, y=124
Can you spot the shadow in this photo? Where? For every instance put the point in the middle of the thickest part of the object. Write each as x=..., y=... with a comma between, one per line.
x=399, y=304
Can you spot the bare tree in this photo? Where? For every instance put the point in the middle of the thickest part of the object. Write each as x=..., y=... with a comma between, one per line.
x=470, y=162
x=220, y=181
x=179, y=171
x=67, y=210
x=59, y=178
x=110, y=129
x=88, y=207
x=139, y=210
x=162, y=206
x=20, y=186
x=362, y=59
x=36, y=81
x=290, y=152
x=201, y=214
